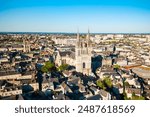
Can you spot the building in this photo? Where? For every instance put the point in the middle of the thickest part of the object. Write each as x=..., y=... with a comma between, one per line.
x=66, y=41
x=65, y=57
x=83, y=54
x=26, y=44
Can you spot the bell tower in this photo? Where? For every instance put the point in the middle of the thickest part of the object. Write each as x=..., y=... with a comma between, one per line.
x=83, y=56
x=26, y=45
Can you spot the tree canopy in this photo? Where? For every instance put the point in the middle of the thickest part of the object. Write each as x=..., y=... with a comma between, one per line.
x=116, y=66
x=135, y=97
x=106, y=82
x=63, y=67
x=100, y=84
x=48, y=67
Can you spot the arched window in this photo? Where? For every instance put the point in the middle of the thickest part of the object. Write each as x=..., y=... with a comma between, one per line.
x=81, y=45
x=83, y=65
x=85, y=45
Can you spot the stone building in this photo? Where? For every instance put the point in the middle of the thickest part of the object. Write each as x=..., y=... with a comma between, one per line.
x=83, y=54
x=81, y=58
x=26, y=45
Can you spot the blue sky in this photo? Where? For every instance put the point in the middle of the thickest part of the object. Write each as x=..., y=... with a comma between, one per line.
x=101, y=16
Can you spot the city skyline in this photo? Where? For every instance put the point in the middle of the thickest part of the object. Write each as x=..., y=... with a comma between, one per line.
x=64, y=16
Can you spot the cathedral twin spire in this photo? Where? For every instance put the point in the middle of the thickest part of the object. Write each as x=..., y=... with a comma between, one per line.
x=87, y=36
x=83, y=54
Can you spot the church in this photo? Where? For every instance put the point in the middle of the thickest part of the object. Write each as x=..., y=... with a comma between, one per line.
x=83, y=54
x=80, y=57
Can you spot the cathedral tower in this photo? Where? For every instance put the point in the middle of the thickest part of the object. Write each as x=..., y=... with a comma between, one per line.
x=26, y=44
x=83, y=54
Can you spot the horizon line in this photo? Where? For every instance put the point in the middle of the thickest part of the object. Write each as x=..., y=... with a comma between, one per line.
x=75, y=32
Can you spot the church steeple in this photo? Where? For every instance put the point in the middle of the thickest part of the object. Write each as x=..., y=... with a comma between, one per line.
x=88, y=35
x=78, y=43
x=88, y=31
x=78, y=36
x=88, y=38
x=83, y=54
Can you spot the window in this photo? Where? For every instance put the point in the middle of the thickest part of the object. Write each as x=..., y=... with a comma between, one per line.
x=81, y=45
x=83, y=65
x=85, y=45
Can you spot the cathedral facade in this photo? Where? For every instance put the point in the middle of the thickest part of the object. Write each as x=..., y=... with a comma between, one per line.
x=83, y=54
x=26, y=45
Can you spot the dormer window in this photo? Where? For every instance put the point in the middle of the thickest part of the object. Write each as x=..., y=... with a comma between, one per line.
x=83, y=65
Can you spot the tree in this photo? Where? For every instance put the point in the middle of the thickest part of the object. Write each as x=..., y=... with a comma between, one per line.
x=44, y=69
x=135, y=97
x=48, y=67
x=133, y=94
x=141, y=98
x=116, y=67
x=108, y=82
x=100, y=84
x=125, y=96
x=63, y=67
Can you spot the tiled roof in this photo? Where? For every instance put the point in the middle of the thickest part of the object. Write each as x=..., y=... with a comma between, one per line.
x=4, y=73
x=65, y=53
x=142, y=71
x=133, y=90
x=103, y=92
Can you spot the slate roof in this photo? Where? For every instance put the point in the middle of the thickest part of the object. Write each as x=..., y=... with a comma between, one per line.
x=65, y=53
x=60, y=96
x=71, y=54
x=95, y=97
x=143, y=72
x=133, y=90
x=5, y=73
x=103, y=92
x=14, y=97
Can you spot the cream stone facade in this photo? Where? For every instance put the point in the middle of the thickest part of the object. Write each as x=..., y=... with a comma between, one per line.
x=81, y=58
x=83, y=54
x=26, y=45
x=66, y=57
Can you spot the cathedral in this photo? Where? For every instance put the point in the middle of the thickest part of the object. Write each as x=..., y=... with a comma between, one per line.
x=26, y=45
x=80, y=57
x=83, y=54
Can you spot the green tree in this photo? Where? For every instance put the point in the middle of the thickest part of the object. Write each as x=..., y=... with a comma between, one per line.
x=108, y=82
x=116, y=66
x=48, y=67
x=44, y=69
x=63, y=67
x=125, y=96
x=133, y=94
x=135, y=97
x=141, y=98
x=100, y=84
